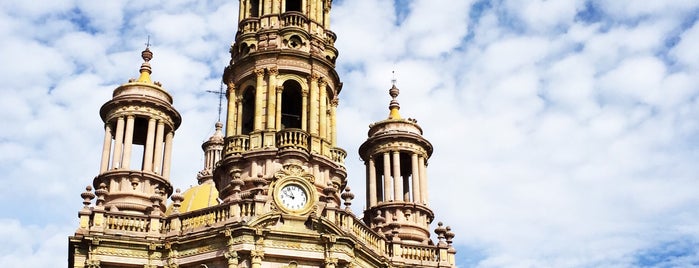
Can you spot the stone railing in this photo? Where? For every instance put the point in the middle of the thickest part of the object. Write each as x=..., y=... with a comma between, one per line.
x=249, y=25
x=292, y=138
x=293, y=18
x=338, y=155
x=204, y=217
x=129, y=223
x=236, y=144
x=419, y=252
x=356, y=228
x=332, y=37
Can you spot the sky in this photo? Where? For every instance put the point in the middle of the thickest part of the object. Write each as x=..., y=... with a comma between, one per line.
x=566, y=132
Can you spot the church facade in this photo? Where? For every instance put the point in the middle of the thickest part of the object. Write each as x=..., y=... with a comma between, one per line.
x=273, y=190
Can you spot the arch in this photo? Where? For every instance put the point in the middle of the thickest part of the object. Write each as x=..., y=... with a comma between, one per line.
x=248, y=111
x=291, y=104
x=292, y=5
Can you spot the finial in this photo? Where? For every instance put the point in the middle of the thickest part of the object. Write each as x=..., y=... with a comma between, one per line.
x=145, y=70
x=220, y=98
x=394, y=106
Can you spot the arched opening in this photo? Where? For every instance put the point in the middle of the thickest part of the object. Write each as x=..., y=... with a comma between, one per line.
x=293, y=5
x=248, y=116
x=291, y=104
x=254, y=8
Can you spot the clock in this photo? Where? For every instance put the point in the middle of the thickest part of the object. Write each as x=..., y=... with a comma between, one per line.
x=293, y=196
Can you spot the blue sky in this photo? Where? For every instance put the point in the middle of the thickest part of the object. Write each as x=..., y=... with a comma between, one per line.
x=566, y=133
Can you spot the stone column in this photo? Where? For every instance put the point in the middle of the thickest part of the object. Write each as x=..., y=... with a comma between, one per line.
x=106, y=148
x=387, y=190
x=168, y=155
x=239, y=116
x=415, y=178
x=148, y=154
x=314, y=104
x=304, y=110
x=232, y=111
x=158, y=155
x=333, y=122
x=259, y=96
x=128, y=142
x=118, y=143
x=323, y=109
x=271, y=97
x=372, y=182
x=242, y=12
x=397, y=180
x=423, y=179
x=278, y=105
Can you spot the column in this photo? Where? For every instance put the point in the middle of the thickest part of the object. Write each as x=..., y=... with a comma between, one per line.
x=326, y=17
x=158, y=155
x=314, y=104
x=323, y=109
x=333, y=122
x=278, y=105
x=304, y=110
x=168, y=155
x=241, y=11
x=106, y=148
x=148, y=154
x=387, y=177
x=372, y=182
x=118, y=143
x=423, y=179
x=128, y=142
x=239, y=116
x=232, y=111
x=415, y=178
x=271, y=97
x=259, y=95
x=397, y=180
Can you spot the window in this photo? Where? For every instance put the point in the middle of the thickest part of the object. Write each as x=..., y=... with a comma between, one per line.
x=291, y=105
x=248, y=115
x=293, y=5
x=254, y=8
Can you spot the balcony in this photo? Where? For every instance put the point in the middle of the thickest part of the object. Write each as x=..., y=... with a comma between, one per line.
x=294, y=19
x=292, y=138
x=236, y=144
x=249, y=25
x=338, y=155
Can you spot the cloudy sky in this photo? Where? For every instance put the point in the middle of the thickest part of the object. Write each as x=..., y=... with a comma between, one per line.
x=566, y=133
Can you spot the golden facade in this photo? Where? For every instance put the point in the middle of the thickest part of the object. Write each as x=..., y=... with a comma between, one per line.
x=273, y=191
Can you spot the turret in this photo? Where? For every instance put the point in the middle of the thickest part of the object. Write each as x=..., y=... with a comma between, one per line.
x=139, y=123
x=395, y=155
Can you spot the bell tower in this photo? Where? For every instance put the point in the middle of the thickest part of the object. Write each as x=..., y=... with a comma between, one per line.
x=395, y=155
x=282, y=96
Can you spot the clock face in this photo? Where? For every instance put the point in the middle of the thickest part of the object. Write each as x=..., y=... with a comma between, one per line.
x=293, y=196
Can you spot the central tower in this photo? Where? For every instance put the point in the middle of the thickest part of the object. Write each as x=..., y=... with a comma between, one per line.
x=282, y=96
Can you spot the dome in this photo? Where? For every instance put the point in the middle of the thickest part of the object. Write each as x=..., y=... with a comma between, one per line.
x=197, y=197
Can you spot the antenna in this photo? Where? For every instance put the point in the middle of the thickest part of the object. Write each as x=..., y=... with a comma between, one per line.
x=220, y=99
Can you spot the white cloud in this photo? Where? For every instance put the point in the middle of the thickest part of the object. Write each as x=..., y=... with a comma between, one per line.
x=566, y=144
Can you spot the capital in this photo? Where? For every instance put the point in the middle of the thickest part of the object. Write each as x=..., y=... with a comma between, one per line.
x=259, y=72
x=273, y=70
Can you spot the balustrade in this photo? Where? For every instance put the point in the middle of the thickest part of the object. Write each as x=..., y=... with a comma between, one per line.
x=419, y=253
x=236, y=144
x=293, y=18
x=292, y=138
x=338, y=155
x=130, y=223
x=249, y=25
x=205, y=217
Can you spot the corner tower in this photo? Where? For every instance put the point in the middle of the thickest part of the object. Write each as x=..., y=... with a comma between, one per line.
x=139, y=123
x=395, y=155
x=282, y=96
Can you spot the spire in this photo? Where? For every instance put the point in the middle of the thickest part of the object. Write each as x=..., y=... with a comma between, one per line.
x=394, y=106
x=212, y=154
x=145, y=70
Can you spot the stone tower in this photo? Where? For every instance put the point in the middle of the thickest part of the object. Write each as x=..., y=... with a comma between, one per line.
x=395, y=155
x=280, y=178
